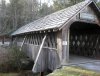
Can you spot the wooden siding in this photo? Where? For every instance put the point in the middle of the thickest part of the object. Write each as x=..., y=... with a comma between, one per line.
x=49, y=58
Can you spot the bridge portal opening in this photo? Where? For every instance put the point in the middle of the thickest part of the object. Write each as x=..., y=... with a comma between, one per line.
x=84, y=40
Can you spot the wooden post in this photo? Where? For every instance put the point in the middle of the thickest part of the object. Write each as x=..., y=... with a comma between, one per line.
x=59, y=44
x=65, y=46
x=3, y=40
x=15, y=40
x=22, y=43
x=41, y=73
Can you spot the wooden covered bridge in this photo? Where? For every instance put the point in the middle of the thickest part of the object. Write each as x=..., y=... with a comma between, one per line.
x=50, y=40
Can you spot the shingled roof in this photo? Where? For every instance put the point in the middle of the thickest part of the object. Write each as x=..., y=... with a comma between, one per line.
x=54, y=20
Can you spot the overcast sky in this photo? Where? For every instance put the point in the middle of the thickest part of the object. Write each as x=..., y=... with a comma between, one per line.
x=7, y=1
x=43, y=1
x=49, y=2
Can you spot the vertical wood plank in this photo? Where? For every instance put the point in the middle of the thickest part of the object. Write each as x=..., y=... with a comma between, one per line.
x=33, y=40
x=49, y=41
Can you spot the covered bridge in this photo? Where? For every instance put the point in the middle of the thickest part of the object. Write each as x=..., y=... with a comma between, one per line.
x=50, y=40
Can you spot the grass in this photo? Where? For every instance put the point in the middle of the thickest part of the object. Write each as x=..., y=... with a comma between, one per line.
x=64, y=71
x=9, y=74
x=73, y=71
x=17, y=74
x=23, y=73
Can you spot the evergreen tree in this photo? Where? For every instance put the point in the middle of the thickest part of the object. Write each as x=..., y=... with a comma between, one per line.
x=60, y=4
x=3, y=15
x=45, y=10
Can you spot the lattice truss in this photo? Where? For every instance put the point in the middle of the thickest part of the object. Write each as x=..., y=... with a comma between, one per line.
x=85, y=44
x=36, y=39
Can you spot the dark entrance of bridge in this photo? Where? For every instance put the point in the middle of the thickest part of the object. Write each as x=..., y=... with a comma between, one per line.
x=85, y=39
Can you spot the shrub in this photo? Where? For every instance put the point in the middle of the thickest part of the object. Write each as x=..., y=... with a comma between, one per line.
x=15, y=58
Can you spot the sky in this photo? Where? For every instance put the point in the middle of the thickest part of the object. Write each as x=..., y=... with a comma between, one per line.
x=50, y=2
x=7, y=1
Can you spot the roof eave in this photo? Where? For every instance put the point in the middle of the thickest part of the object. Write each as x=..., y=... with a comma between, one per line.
x=40, y=31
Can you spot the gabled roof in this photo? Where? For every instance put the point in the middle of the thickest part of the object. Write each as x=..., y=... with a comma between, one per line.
x=55, y=20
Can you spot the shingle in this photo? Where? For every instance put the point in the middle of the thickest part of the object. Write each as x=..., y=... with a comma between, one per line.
x=52, y=21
